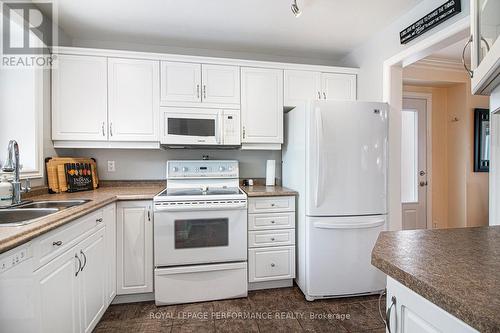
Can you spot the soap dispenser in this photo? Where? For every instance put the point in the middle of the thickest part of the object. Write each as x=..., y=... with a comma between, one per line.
x=5, y=192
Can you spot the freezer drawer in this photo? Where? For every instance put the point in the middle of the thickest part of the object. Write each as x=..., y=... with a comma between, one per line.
x=177, y=285
x=338, y=255
x=271, y=263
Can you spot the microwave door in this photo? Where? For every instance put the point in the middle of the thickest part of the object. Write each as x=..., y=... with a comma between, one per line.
x=191, y=129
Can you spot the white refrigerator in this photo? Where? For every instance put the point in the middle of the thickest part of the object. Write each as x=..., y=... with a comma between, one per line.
x=335, y=156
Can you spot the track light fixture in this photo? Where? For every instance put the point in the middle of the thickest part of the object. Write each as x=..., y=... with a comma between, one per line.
x=295, y=9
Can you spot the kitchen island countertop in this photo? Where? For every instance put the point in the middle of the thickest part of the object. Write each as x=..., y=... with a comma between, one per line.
x=456, y=269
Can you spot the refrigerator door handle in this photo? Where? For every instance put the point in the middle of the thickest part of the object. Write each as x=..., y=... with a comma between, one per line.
x=319, y=159
x=364, y=225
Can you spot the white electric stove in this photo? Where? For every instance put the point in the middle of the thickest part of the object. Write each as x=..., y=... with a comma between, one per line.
x=200, y=233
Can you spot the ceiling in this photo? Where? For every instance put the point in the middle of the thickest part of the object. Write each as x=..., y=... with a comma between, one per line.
x=327, y=29
x=453, y=52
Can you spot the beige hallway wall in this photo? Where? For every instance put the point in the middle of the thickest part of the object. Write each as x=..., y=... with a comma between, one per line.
x=459, y=195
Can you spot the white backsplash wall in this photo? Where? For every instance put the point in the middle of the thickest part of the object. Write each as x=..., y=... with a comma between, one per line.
x=151, y=164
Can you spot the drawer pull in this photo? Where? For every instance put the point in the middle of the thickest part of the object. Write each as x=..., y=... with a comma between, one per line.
x=272, y=264
x=272, y=239
x=273, y=204
x=273, y=222
x=58, y=243
x=99, y=220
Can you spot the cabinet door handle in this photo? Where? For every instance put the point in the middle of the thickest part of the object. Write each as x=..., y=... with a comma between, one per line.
x=319, y=95
x=149, y=215
x=272, y=264
x=324, y=94
x=273, y=222
x=272, y=239
x=111, y=129
x=204, y=91
x=79, y=264
x=244, y=132
x=58, y=243
x=102, y=128
x=388, y=314
x=85, y=260
x=99, y=220
x=198, y=91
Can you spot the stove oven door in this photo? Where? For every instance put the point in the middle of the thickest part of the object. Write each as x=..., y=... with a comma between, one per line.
x=199, y=236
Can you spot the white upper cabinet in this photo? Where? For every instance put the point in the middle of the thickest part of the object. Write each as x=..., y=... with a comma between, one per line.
x=221, y=84
x=336, y=86
x=301, y=86
x=180, y=82
x=79, y=98
x=188, y=84
x=133, y=92
x=261, y=105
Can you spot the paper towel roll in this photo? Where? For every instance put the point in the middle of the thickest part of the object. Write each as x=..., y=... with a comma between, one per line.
x=270, y=172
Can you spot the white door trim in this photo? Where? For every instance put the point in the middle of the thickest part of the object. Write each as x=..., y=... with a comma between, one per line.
x=393, y=94
x=428, y=98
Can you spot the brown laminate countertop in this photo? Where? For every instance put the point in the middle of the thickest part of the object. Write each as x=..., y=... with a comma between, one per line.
x=11, y=237
x=456, y=269
x=267, y=191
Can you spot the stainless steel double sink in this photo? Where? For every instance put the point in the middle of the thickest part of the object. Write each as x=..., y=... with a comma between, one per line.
x=29, y=212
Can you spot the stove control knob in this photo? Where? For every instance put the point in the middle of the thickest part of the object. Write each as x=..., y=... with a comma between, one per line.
x=230, y=168
x=175, y=169
x=185, y=169
x=221, y=168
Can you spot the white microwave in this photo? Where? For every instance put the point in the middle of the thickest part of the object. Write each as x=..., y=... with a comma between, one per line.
x=200, y=126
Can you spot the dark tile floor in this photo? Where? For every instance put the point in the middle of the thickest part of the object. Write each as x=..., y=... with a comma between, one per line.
x=274, y=311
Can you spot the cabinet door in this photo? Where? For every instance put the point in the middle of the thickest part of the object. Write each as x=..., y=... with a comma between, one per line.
x=58, y=287
x=133, y=99
x=301, y=86
x=338, y=86
x=79, y=98
x=180, y=82
x=93, y=283
x=220, y=84
x=109, y=217
x=134, y=247
x=261, y=105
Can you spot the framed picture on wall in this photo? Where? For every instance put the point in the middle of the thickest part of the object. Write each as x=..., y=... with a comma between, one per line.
x=481, y=140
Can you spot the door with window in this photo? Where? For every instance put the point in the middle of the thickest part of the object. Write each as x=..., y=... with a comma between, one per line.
x=414, y=180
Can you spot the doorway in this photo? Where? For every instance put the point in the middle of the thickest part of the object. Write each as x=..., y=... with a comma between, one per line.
x=414, y=171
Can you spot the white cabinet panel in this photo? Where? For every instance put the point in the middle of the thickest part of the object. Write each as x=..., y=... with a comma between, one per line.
x=261, y=105
x=266, y=221
x=271, y=263
x=109, y=217
x=221, y=84
x=58, y=289
x=271, y=204
x=271, y=238
x=134, y=247
x=338, y=86
x=180, y=82
x=301, y=86
x=79, y=98
x=93, y=280
x=133, y=99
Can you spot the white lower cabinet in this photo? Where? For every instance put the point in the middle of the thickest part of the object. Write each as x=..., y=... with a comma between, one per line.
x=57, y=288
x=412, y=313
x=134, y=247
x=72, y=288
x=271, y=241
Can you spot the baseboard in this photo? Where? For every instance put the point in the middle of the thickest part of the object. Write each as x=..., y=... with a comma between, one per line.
x=270, y=284
x=133, y=298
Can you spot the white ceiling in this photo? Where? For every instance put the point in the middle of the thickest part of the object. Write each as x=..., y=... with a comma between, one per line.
x=453, y=52
x=327, y=29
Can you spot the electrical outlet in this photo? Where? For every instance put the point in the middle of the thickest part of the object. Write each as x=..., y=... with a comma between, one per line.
x=111, y=166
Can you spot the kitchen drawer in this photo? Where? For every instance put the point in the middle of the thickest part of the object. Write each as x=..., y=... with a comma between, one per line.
x=271, y=263
x=271, y=221
x=271, y=204
x=271, y=238
x=50, y=245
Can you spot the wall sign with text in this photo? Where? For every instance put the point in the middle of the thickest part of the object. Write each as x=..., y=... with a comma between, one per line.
x=431, y=20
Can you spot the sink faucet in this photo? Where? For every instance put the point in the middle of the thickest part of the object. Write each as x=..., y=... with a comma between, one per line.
x=12, y=165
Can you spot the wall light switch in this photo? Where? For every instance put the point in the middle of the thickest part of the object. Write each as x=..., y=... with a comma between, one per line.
x=111, y=166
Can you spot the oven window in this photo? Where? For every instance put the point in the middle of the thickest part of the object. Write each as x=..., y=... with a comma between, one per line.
x=191, y=127
x=201, y=233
